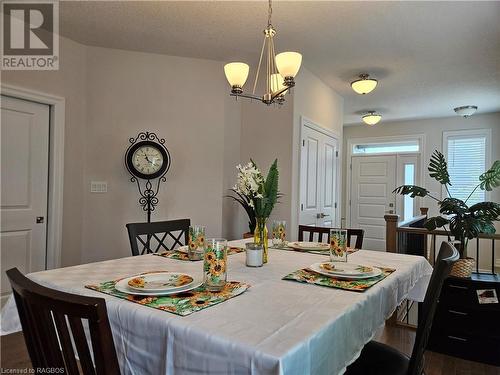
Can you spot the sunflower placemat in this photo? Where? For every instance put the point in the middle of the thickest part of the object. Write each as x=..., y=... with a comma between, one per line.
x=183, y=255
x=184, y=303
x=307, y=276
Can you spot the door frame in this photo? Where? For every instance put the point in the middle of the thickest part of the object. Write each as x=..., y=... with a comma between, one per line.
x=390, y=138
x=56, y=166
x=305, y=122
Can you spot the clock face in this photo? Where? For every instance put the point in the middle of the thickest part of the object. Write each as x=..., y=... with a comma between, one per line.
x=147, y=159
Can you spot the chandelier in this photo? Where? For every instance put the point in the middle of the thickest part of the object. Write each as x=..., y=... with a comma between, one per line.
x=281, y=70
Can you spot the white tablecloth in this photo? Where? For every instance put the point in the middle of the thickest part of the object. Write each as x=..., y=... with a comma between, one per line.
x=276, y=327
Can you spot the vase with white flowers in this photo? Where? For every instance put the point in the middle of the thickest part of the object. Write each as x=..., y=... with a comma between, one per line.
x=258, y=196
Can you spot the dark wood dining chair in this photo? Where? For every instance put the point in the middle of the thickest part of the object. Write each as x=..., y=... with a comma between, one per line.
x=321, y=231
x=380, y=359
x=146, y=238
x=51, y=319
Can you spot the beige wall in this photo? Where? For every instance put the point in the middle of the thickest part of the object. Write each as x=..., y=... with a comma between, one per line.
x=433, y=130
x=266, y=135
x=111, y=95
x=183, y=100
x=69, y=82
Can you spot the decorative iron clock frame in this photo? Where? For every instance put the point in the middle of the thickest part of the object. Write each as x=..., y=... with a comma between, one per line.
x=148, y=190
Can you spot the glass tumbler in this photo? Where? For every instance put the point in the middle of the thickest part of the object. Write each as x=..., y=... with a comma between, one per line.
x=338, y=245
x=279, y=233
x=196, y=242
x=215, y=264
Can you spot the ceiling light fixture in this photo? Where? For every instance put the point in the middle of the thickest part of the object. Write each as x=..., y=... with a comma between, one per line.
x=364, y=84
x=371, y=118
x=281, y=70
x=466, y=110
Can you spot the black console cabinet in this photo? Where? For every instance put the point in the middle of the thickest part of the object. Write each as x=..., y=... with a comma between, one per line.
x=464, y=328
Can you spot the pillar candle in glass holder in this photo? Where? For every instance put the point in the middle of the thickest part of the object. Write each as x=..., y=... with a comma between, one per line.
x=196, y=245
x=254, y=255
x=215, y=264
x=338, y=245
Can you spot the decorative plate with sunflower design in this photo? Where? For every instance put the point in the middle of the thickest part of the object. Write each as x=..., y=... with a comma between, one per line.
x=159, y=282
x=308, y=246
x=345, y=270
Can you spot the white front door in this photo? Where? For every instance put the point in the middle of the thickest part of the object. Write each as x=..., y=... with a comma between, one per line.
x=24, y=179
x=318, y=178
x=373, y=178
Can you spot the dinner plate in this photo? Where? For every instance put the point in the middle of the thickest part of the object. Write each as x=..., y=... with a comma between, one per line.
x=159, y=281
x=346, y=270
x=309, y=246
x=122, y=286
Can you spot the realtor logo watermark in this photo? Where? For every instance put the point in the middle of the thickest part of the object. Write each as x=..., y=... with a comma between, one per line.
x=30, y=38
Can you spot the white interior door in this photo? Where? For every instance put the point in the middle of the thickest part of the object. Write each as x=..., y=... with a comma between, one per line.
x=318, y=178
x=24, y=178
x=373, y=178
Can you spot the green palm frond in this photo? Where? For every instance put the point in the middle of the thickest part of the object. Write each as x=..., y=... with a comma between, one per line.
x=453, y=206
x=491, y=178
x=435, y=222
x=486, y=210
x=438, y=168
x=411, y=190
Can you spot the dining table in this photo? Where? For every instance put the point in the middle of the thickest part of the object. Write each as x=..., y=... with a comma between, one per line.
x=275, y=327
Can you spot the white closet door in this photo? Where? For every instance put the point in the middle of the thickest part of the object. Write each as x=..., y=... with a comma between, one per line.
x=24, y=181
x=318, y=178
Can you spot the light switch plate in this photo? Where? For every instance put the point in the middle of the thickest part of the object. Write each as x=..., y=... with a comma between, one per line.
x=98, y=187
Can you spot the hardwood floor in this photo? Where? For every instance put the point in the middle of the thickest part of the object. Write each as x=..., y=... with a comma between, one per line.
x=15, y=356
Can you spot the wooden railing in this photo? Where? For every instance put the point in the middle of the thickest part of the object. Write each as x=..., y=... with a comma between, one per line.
x=409, y=237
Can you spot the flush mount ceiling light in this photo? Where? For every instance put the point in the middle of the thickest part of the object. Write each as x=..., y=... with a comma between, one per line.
x=281, y=70
x=371, y=118
x=364, y=84
x=466, y=110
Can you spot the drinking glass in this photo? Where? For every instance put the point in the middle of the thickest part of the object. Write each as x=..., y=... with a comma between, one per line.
x=279, y=233
x=338, y=245
x=196, y=242
x=215, y=264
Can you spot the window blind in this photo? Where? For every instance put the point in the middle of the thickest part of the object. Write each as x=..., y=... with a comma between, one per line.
x=466, y=162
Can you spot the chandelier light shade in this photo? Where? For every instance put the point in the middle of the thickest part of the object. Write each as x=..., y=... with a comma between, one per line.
x=466, y=110
x=280, y=70
x=364, y=84
x=236, y=74
x=288, y=64
x=371, y=118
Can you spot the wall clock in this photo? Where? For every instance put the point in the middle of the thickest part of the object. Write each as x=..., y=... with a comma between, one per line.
x=148, y=161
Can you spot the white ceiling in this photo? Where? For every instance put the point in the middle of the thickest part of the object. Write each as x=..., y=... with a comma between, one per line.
x=429, y=57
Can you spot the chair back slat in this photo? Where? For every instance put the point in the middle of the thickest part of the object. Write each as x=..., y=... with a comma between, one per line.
x=81, y=346
x=447, y=256
x=44, y=314
x=320, y=231
x=146, y=238
x=66, y=344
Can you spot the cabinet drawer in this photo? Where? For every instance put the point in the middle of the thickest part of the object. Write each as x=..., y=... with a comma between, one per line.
x=467, y=347
x=450, y=319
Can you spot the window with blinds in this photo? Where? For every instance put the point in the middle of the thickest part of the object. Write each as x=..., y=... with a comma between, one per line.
x=466, y=156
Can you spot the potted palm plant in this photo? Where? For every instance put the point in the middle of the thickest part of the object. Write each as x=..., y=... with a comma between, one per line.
x=457, y=218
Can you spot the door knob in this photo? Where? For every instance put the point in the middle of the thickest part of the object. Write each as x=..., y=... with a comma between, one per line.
x=321, y=215
x=40, y=219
